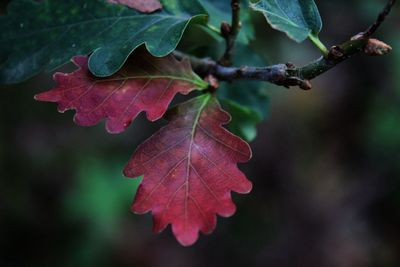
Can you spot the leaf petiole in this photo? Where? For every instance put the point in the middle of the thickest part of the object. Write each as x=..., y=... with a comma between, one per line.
x=317, y=42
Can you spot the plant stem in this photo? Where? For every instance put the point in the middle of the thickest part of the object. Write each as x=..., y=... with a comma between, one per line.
x=381, y=18
x=280, y=74
x=230, y=33
x=287, y=74
x=317, y=42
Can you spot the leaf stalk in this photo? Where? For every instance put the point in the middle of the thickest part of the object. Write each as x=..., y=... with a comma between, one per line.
x=317, y=42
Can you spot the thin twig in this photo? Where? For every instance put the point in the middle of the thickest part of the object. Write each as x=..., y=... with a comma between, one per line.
x=230, y=33
x=287, y=74
x=381, y=18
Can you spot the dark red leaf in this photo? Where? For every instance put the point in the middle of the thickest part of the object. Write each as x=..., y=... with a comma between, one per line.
x=190, y=168
x=146, y=84
x=145, y=6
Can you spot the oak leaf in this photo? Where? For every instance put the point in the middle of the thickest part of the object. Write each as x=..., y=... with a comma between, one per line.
x=190, y=169
x=38, y=36
x=298, y=19
x=146, y=83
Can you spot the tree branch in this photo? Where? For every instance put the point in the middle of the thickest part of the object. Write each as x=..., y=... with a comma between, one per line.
x=230, y=33
x=381, y=18
x=289, y=75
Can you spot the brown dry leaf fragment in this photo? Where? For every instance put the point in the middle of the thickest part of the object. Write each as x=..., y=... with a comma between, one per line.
x=145, y=6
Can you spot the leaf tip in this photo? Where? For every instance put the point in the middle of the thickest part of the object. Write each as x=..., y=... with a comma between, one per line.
x=185, y=238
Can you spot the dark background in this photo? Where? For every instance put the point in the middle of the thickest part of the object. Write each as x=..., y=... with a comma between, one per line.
x=326, y=172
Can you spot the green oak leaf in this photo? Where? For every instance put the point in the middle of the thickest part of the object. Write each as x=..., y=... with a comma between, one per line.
x=220, y=11
x=247, y=101
x=299, y=19
x=244, y=120
x=43, y=36
x=247, y=107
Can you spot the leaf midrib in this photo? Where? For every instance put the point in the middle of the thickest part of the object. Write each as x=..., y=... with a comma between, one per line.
x=283, y=18
x=168, y=77
x=189, y=157
x=286, y=19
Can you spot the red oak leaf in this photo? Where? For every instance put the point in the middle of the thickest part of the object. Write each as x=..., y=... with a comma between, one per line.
x=145, y=6
x=145, y=84
x=190, y=168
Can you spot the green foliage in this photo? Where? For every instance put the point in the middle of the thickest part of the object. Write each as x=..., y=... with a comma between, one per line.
x=43, y=36
x=244, y=120
x=298, y=19
x=247, y=101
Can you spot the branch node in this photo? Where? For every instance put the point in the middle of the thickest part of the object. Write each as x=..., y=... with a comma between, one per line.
x=290, y=65
x=305, y=85
x=335, y=53
x=376, y=47
x=225, y=29
x=212, y=81
x=230, y=33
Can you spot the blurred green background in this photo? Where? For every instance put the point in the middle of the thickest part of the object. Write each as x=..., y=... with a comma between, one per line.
x=326, y=171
